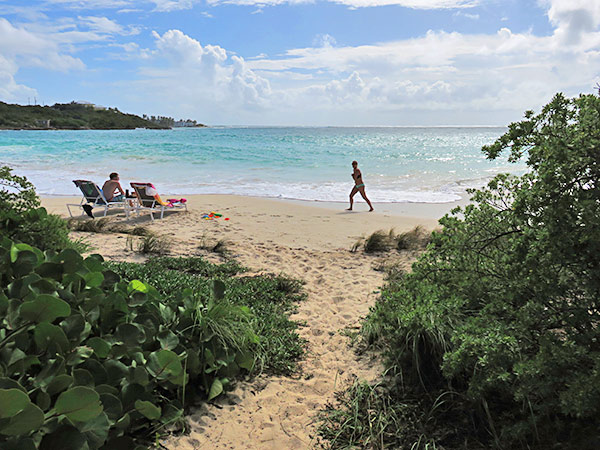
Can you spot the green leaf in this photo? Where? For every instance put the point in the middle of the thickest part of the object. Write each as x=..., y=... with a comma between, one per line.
x=65, y=437
x=12, y=402
x=26, y=261
x=140, y=376
x=123, y=423
x=115, y=370
x=163, y=364
x=168, y=340
x=72, y=261
x=95, y=430
x=245, y=360
x=44, y=308
x=130, y=334
x=29, y=419
x=112, y=406
x=148, y=409
x=8, y=383
x=19, y=444
x=3, y=304
x=43, y=400
x=83, y=377
x=46, y=334
x=218, y=289
x=137, y=285
x=100, y=346
x=94, y=263
x=78, y=355
x=15, y=249
x=216, y=389
x=93, y=279
x=50, y=270
x=59, y=384
x=79, y=404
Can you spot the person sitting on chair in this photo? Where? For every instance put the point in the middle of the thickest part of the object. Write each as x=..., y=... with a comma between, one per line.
x=110, y=186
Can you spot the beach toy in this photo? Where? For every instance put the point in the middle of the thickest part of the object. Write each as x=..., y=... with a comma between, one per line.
x=226, y=218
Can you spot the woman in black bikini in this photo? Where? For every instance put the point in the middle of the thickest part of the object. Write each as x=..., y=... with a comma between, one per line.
x=359, y=186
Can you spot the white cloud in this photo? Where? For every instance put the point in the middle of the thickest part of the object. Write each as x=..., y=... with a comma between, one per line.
x=183, y=70
x=414, y=4
x=30, y=49
x=91, y=4
x=466, y=15
x=104, y=25
x=172, y=5
x=324, y=40
x=573, y=18
x=10, y=91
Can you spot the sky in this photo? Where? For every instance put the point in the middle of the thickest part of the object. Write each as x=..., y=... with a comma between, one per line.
x=302, y=62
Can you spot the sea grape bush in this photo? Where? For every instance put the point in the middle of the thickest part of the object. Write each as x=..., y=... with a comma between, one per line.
x=270, y=299
x=22, y=218
x=500, y=315
x=88, y=359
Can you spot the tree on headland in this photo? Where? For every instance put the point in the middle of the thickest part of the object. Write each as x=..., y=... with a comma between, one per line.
x=73, y=116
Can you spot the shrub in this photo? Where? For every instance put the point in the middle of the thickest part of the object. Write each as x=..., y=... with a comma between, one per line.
x=270, y=299
x=89, y=358
x=22, y=219
x=502, y=309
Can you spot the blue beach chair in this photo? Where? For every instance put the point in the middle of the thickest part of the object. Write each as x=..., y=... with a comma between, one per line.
x=94, y=198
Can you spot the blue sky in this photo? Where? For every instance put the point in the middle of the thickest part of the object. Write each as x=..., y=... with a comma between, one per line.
x=299, y=62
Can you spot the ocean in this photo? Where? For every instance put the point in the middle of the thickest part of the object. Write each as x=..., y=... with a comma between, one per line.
x=423, y=165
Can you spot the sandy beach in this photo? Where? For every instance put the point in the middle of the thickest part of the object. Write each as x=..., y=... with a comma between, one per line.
x=303, y=240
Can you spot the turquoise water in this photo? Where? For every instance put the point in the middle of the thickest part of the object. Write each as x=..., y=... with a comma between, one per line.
x=398, y=164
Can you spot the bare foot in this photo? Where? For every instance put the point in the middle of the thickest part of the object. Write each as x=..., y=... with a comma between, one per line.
x=371, y=210
x=348, y=209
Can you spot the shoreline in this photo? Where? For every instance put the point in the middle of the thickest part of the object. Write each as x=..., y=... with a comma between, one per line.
x=413, y=210
x=272, y=221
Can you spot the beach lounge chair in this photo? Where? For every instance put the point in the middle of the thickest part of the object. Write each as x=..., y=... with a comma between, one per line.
x=149, y=200
x=94, y=198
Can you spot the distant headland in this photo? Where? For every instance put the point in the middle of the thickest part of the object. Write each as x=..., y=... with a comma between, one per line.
x=81, y=116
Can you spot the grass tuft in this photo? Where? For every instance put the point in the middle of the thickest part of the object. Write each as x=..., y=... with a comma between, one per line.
x=101, y=225
x=381, y=241
x=221, y=247
x=416, y=239
x=153, y=244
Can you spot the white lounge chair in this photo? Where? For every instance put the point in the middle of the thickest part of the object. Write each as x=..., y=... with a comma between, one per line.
x=149, y=200
x=94, y=198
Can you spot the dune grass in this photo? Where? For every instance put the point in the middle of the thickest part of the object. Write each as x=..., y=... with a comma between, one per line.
x=270, y=299
x=384, y=241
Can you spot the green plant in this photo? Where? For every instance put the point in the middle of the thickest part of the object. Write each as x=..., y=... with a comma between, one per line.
x=415, y=239
x=379, y=241
x=22, y=219
x=502, y=308
x=270, y=299
x=100, y=225
x=368, y=416
x=92, y=359
x=153, y=244
x=16, y=193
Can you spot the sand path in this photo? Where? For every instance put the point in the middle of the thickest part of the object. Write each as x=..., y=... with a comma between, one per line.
x=278, y=412
x=302, y=242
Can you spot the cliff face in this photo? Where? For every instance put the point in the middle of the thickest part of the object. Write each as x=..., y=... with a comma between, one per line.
x=69, y=116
